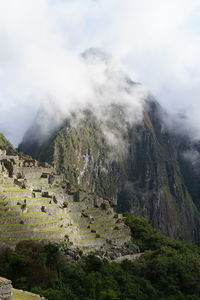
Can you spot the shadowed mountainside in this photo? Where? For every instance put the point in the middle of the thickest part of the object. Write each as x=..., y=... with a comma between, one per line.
x=142, y=173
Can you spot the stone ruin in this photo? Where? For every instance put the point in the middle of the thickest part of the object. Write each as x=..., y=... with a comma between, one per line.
x=36, y=203
x=17, y=165
x=5, y=289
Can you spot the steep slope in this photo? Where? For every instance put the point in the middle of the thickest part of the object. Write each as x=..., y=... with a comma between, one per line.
x=155, y=187
x=5, y=144
x=189, y=160
x=38, y=204
x=141, y=173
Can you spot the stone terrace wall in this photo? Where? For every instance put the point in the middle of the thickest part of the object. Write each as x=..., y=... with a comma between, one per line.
x=5, y=289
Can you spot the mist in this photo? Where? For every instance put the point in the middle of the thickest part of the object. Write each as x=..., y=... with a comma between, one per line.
x=156, y=42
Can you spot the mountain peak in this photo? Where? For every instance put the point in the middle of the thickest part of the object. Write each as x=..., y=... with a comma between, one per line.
x=94, y=55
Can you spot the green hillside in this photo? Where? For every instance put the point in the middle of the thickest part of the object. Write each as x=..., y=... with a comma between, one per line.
x=4, y=143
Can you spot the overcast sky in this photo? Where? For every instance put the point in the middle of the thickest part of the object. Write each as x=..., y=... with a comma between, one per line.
x=156, y=41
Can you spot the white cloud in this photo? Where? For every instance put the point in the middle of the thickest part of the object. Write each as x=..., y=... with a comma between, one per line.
x=157, y=41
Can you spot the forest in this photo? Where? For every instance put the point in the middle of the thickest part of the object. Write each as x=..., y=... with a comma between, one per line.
x=169, y=269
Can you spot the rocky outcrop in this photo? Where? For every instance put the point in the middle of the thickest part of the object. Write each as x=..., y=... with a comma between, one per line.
x=5, y=289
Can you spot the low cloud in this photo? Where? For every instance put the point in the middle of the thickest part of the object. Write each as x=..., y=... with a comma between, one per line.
x=156, y=42
x=114, y=99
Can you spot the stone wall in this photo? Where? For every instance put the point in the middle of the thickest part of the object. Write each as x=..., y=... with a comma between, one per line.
x=35, y=204
x=5, y=289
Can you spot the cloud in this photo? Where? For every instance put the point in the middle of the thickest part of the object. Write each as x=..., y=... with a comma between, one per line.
x=156, y=41
x=114, y=100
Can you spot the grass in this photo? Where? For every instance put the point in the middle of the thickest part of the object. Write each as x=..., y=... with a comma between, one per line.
x=29, y=199
x=102, y=238
x=103, y=216
x=19, y=190
x=92, y=239
x=51, y=190
x=20, y=295
x=32, y=216
x=28, y=239
x=17, y=213
x=38, y=178
x=32, y=224
x=109, y=221
x=40, y=198
x=22, y=197
x=109, y=231
x=28, y=205
x=98, y=232
x=104, y=227
x=88, y=233
x=45, y=230
x=10, y=185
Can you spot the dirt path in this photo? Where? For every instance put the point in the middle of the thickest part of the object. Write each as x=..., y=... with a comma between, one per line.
x=129, y=257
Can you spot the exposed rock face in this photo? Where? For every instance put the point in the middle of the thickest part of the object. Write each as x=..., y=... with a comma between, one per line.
x=145, y=178
x=5, y=289
x=189, y=160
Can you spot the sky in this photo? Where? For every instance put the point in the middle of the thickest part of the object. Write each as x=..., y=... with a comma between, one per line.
x=157, y=42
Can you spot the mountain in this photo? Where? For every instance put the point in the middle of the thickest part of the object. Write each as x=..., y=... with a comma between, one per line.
x=119, y=147
x=146, y=177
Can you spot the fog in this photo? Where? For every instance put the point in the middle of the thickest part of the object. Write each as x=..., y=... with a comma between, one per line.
x=156, y=42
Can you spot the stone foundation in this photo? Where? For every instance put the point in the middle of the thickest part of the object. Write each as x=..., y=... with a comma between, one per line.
x=5, y=289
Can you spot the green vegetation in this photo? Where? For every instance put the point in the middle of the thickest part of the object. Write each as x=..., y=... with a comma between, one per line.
x=35, y=215
x=32, y=224
x=19, y=295
x=14, y=190
x=168, y=270
x=16, y=205
x=5, y=144
x=145, y=236
x=10, y=185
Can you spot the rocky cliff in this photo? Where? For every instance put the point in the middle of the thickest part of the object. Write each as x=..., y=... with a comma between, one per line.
x=141, y=172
